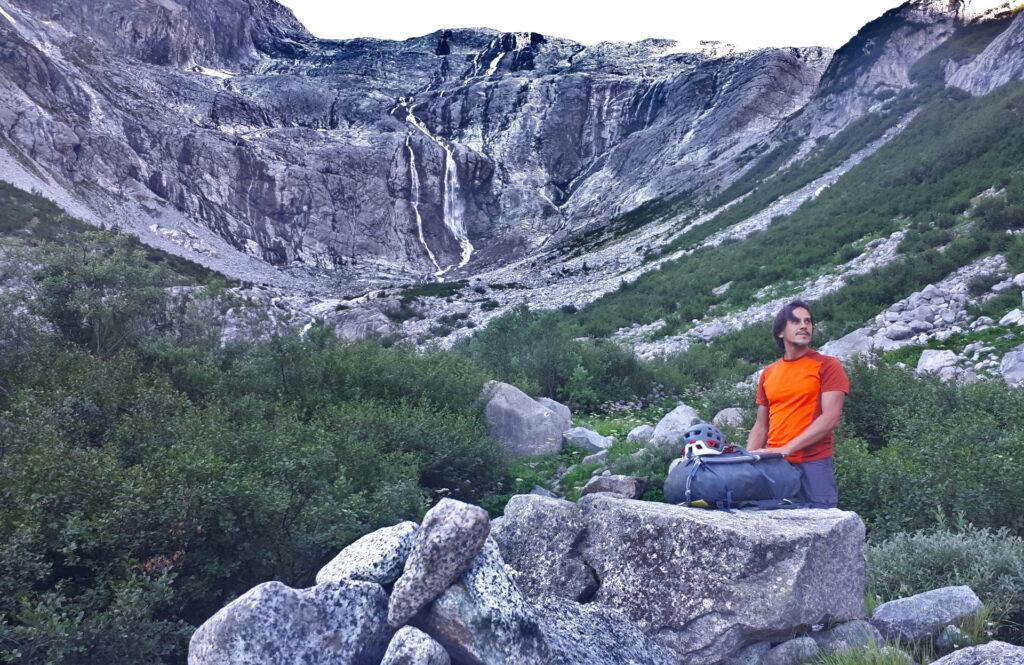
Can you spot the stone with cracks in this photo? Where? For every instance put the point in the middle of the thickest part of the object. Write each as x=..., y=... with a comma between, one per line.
x=561, y=410
x=446, y=544
x=640, y=434
x=792, y=652
x=924, y=615
x=852, y=635
x=1012, y=366
x=992, y=653
x=750, y=655
x=537, y=536
x=596, y=635
x=376, y=557
x=338, y=623
x=932, y=361
x=483, y=619
x=1014, y=317
x=732, y=417
x=410, y=646
x=588, y=440
x=522, y=425
x=670, y=429
x=627, y=487
x=708, y=583
x=360, y=324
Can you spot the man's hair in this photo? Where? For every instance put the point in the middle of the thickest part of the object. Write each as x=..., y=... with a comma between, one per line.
x=786, y=314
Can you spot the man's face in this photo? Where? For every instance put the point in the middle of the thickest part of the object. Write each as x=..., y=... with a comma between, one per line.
x=799, y=329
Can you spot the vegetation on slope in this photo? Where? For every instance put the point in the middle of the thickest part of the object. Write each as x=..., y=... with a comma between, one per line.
x=150, y=474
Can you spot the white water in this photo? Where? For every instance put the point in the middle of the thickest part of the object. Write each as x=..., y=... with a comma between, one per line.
x=414, y=179
x=8, y=17
x=453, y=207
x=493, y=67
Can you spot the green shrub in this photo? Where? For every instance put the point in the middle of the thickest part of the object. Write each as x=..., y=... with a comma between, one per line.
x=991, y=562
x=908, y=445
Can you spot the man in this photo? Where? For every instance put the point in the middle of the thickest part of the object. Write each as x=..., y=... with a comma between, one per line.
x=799, y=402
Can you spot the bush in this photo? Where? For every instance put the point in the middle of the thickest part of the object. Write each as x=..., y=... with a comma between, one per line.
x=991, y=562
x=149, y=475
x=909, y=445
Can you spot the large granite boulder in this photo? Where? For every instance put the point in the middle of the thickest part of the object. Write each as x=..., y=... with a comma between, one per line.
x=338, y=623
x=410, y=646
x=537, y=537
x=924, y=615
x=992, y=653
x=376, y=557
x=523, y=425
x=446, y=544
x=670, y=429
x=483, y=619
x=561, y=410
x=707, y=583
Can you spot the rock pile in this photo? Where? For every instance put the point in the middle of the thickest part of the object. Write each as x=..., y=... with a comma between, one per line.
x=607, y=581
x=938, y=312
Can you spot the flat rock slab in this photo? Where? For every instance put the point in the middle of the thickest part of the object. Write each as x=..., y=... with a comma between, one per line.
x=627, y=487
x=992, y=653
x=338, y=623
x=707, y=583
x=588, y=440
x=537, y=537
x=410, y=646
x=924, y=615
x=445, y=545
x=376, y=557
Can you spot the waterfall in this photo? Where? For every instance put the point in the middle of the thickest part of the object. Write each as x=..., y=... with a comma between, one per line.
x=453, y=207
x=414, y=180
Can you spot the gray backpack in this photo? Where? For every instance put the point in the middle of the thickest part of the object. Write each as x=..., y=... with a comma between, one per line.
x=733, y=480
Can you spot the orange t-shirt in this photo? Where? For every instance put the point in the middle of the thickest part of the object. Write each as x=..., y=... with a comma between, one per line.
x=791, y=389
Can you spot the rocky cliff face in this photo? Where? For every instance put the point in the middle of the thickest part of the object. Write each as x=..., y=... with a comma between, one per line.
x=1002, y=61
x=460, y=149
x=226, y=133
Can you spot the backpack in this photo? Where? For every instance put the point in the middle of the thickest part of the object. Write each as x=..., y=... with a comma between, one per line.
x=733, y=480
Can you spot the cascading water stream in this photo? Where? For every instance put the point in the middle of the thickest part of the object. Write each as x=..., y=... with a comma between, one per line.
x=414, y=179
x=453, y=208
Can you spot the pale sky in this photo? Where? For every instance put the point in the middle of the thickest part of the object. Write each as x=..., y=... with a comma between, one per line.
x=746, y=23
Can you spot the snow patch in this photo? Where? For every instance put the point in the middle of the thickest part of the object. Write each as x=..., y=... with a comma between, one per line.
x=214, y=73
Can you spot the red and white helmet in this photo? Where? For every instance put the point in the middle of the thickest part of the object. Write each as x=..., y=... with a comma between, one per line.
x=704, y=439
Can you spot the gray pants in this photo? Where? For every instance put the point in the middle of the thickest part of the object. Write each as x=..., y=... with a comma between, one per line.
x=818, y=484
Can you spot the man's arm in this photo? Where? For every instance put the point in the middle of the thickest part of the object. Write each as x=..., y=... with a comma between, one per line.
x=758, y=437
x=831, y=411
